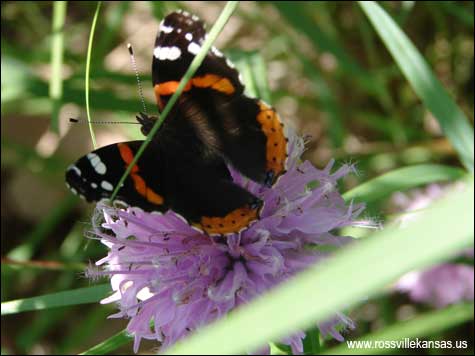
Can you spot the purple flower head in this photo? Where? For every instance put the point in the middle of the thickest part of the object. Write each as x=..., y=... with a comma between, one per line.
x=170, y=279
x=443, y=284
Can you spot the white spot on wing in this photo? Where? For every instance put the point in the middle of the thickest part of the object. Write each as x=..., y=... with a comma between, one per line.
x=174, y=53
x=107, y=186
x=217, y=52
x=101, y=168
x=166, y=29
x=189, y=36
x=194, y=48
x=75, y=169
x=93, y=158
x=96, y=162
x=156, y=52
x=163, y=53
x=183, y=12
x=167, y=53
x=230, y=64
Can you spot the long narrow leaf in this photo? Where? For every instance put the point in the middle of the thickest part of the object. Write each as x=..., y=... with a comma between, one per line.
x=423, y=325
x=350, y=276
x=57, y=49
x=402, y=179
x=298, y=14
x=31, y=242
x=54, y=300
x=451, y=118
x=88, y=68
x=109, y=345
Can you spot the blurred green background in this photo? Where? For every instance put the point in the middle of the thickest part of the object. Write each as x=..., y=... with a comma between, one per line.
x=328, y=73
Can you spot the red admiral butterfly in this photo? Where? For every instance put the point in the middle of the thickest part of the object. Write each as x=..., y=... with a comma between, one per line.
x=213, y=123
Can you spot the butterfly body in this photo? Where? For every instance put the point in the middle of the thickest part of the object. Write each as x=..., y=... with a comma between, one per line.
x=212, y=125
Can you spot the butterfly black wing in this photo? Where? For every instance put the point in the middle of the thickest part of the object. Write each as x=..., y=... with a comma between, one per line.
x=213, y=107
x=95, y=176
x=184, y=167
x=166, y=177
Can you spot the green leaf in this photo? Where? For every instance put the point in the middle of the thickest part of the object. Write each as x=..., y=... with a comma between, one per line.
x=402, y=179
x=423, y=325
x=451, y=118
x=311, y=342
x=113, y=20
x=252, y=67
x=327, y=98
x=341, y=281
x=54, y=300
x=88, y=67
x=300, y=16
x=120, y=339
x=460, y=12
x=84, y=329
x=57, y=50
x=51, y=220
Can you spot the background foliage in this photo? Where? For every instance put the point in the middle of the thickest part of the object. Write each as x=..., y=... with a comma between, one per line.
x=328, y=72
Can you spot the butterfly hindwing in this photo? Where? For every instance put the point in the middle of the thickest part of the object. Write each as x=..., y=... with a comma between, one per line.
x=203, y=191
x=167, y=176
x=254, y=139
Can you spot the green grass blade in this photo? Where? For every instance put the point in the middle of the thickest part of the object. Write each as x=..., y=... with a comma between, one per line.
x=213, y=34
x=253, y=70
x=316, y=293
x=299, y=15
x=451, y=118
x=57, y=51
x=311, y=343
x=402, y=179
x=88, y=68
x=51, y=220
x=109, y=345
x=259, y=71
x=423, y=325
x=113, y=20
x=328, y=102
x=54, y=300
x=458, y=11
x=85, y=330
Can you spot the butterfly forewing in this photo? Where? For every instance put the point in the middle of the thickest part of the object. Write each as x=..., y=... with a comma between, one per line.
x=213, y=103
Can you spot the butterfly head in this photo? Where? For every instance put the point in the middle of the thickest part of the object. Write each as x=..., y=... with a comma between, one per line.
x=147, y=122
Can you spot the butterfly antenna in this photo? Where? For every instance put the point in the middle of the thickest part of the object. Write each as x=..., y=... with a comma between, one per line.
x=81, y=121
x=134, y=66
